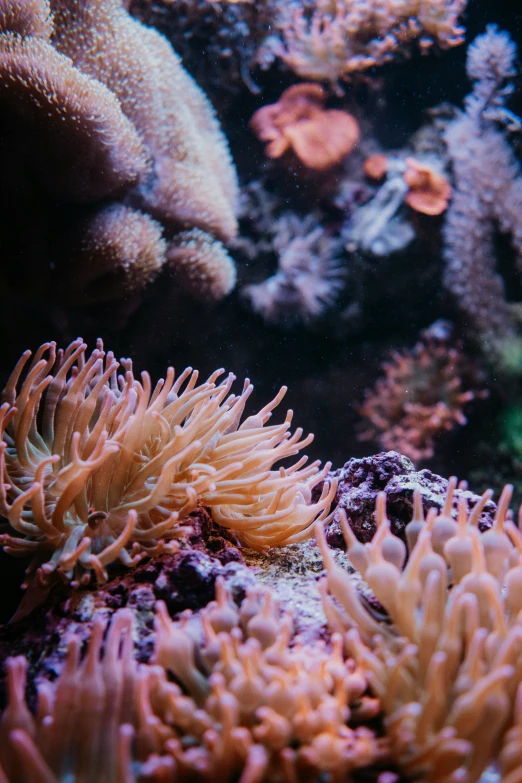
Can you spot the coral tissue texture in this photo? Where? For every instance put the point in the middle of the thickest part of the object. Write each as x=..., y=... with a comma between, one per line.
x=98, y=466
x=421, y=396
x=91, y=148
x=98, y=108
x=193, y=182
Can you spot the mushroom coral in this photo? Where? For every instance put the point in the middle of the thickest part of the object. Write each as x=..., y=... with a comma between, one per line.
x=298, y=121
x=429, y=191
x=247, y=706
x=447, y=663
x=97, y=466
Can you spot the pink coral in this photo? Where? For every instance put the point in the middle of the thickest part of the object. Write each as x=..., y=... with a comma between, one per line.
x=342, y=37
x=420, y=396
x=298, y=121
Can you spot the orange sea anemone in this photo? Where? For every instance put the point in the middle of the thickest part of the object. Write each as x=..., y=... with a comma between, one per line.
x=429, y=191
x=298, y=121
x=97, y=466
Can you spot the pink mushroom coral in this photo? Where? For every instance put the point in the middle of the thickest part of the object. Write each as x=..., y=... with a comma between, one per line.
x=299, y=122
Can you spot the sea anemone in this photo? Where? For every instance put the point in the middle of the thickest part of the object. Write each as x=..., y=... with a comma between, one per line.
x=309, y=276
x=421, y=395
x=97, y=466
x=447, y=662
x=247, y=704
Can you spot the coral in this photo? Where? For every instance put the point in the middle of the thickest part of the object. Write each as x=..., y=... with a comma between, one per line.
x=382, y=226
x=487, y=195
x=91, y=148
x=217, y=41
x=339, y=38
x=429, y=191
x=202, y=263
x=376, y=166
x=308, y=277
x=447, y=663
x=119, y=250
x=319, y=137
x=250, y=704
x=97, y=466
x=422, y=394
x=97, y=106
x=193, y=182
x=379, y=226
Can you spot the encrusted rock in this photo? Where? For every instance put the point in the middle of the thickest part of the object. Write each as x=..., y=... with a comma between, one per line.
x=360, y=480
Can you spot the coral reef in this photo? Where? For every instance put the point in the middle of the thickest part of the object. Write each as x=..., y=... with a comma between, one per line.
x=98, y=107
x=319, y=137
x=487, y=195
x=423, y=394
x=447, y=667
x=333, y=39
x=97, y=466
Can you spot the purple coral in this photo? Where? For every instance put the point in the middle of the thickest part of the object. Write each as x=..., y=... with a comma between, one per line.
x=487, y=195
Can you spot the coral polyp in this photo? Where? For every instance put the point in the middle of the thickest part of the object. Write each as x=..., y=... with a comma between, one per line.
x=98, y=466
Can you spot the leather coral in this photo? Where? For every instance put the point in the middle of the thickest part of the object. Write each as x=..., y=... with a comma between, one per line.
x=99, y=113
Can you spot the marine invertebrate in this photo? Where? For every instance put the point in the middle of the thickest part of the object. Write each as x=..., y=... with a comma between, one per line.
x=98, y=466
x=487, y=195
x=380, y=226
x=248, y=705
x=193, y=182
x=202, y=264
x=308, y=278
x=91, y=148
x=92, y=115
x=448, y=664
x=119, y=249
x=299, y=122
x=422, y=394
x=429, y=191
x=338, y=38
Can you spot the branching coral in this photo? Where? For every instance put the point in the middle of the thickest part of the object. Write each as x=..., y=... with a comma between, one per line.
x=309, y=276
x=487, y=195
x=251, y=705
x=97, y=466
x=421, y=396
x=448, y=664
x=343, y=37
